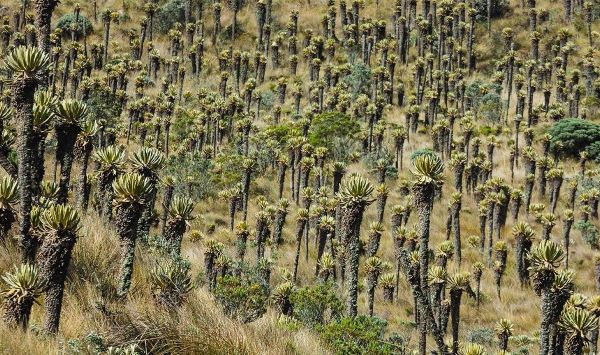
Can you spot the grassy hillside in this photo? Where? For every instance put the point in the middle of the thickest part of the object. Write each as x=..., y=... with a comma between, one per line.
x=356, y=119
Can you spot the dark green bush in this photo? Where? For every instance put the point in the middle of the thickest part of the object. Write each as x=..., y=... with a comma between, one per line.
x=65, y=22
x=359, y=335
x=194, y=177
x=168, y=15
x=589, y=233
x=594, y=151
x=575, y=134
x=421, y=151
x=491, y=107
x=241, y=299
x=485, y=99
x=499, y=8
x=328, y=126
x=316, y=305
x=482, y=336
x=280, y=132
x=359, y=79
x=372, y=160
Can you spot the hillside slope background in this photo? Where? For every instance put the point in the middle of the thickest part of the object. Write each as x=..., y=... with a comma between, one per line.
x=343, y=115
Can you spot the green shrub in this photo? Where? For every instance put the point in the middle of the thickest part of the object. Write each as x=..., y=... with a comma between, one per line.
x=168, y=15
x=343, y=149
x=485, y=99
x=316, y=305
x=194, y=175
x=267, y=97
x=491, y=107
x=328, y=126
x=83, y=24
x=589, y=233
x=359, y=335
x=575, y=134
x=421, y=151
x=372, y=159
x=281, y=132
x=359, y=79
x=241, y=299
x=594, y=151
x=239, y=31
x=482, y=336
x=499, y=7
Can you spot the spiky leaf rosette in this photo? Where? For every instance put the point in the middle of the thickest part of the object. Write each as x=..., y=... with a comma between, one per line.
x=327, y=223
x=23, y=283
x=437, y=275
x=356, y=190
x=131, y=188
x=89, y=128
x=504, y=326
x=5, y=112
x=36, y=219
x=148, y=160
x=428, y=169
x=46, y=98
x=460, y=281
x=446, y=249
x=473, y=349
x=49, y=189
x=546, y=255
x=171, y=281
x=577, y=322
x=373, y=264
x=577, y=300
x=42, y=117
x=213, y=247
x=282, y=292
x=524, y=230
x=60, y=218
x=9, y=192
x=7, y=139
x=327, y=262
x=71, y=111
x=110, y=159
x=388, y=280
x=181, y=208
x=27, y=62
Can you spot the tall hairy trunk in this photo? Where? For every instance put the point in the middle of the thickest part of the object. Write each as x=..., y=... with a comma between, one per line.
x=22, y=102
x=522, y=248
x=422, y=300
x=299, y=232
x=42, y=21
x=126, y=220
x=278, y=224
x=83, y=188
x=455, y=296
x=173, y=234
x=66, y=135
x=371, y=285
x=143, y=226
x=566, y=239
x=38, y=160
x=17, y=312
x=456, y=230
x=423, y=201
x=321, y=234
x=167, y=197
x=352, y=215
x=105, y=192
x=54, y=258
